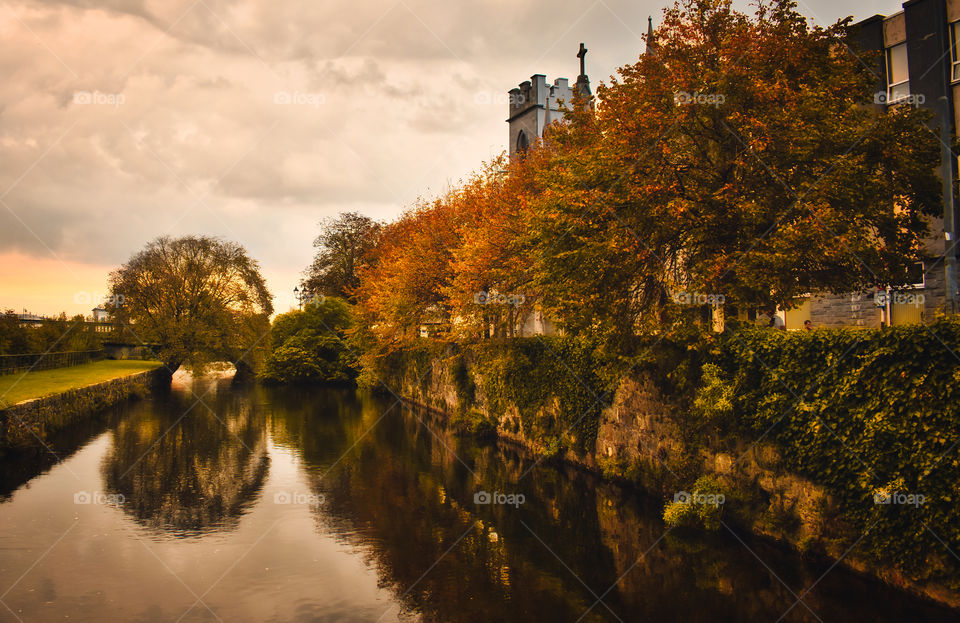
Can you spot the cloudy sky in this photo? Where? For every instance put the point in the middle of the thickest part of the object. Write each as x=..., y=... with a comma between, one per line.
x=123, y=120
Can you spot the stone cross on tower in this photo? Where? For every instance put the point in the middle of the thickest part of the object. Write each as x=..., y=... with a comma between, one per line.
x=582, y=55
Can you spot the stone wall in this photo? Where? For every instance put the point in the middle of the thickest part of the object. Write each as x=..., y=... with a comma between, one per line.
x=31, y=422
x=641, y=438
x=846, y=310
x=644, y=438
x=859, y=309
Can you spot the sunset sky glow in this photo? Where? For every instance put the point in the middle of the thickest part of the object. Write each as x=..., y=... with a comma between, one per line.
x=121, y=121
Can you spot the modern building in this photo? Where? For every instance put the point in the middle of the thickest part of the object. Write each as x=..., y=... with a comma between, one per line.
x=917, y=63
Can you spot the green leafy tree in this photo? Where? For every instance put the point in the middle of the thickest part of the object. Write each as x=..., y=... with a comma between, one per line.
x=309, y=345
x=15, y=339
x=342, y=248
x=59, y=334
x=195, y=300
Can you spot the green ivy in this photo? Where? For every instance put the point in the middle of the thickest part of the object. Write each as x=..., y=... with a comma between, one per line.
x=864, y=413
x=555, y=383
x=700, y=508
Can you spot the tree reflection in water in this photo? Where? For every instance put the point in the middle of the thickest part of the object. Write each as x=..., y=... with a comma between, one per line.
x=186, y=468
x=400, y=496
x=403, y=495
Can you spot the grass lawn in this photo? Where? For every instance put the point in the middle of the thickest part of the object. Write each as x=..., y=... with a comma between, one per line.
x=16, y=388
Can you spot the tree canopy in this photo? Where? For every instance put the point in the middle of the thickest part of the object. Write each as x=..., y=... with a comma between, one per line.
x=745, y=159
x=308, y=346
x=195, y=300
x=342, y=248
x=61, y=334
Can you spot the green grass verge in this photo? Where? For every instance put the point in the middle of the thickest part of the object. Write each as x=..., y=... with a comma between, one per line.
x=16, y=388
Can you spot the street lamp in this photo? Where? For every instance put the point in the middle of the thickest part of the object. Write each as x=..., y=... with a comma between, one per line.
x=298, y=294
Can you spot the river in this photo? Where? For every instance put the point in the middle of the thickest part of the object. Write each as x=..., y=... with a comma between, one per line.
x=212, y=502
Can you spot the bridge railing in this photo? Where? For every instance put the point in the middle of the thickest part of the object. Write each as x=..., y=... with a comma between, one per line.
x=15, y=364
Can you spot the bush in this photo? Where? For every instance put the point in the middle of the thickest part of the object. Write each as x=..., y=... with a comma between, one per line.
x=701, y=508
x=555, y=383
x=309, y=346
x=559, y=375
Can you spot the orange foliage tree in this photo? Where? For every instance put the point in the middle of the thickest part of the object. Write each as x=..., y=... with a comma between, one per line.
x=744, y=159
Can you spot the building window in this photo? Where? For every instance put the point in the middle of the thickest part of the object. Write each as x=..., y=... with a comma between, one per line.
x=916, y=275
x=522, y=143
x=954, y=51
x=898, y=77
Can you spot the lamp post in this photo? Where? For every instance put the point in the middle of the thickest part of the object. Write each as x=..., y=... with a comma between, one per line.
x=298, y=294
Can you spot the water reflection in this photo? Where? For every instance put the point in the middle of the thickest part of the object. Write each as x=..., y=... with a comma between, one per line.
x=398, y=535
x=189, y=464
x=21, y=464
x=402, y=487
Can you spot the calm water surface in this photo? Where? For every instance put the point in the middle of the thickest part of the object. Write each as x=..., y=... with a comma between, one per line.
x=260, y=504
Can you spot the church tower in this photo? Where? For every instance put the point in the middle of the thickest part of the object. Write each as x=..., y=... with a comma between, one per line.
x=534, y=105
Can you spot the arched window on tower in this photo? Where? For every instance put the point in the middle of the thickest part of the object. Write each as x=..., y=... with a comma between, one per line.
x=523, y=144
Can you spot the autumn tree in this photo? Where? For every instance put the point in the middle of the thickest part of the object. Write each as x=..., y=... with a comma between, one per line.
x=744, y=159
x=342, y=247
x=490, y=292
x=404, y=283
x=195, y=300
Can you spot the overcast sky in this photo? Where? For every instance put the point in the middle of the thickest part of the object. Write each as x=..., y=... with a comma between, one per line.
x=124, y=120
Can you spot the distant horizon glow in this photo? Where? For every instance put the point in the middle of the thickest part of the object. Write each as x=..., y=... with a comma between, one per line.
x=124, y=121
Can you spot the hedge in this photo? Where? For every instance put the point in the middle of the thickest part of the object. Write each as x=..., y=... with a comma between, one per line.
x=874, y=417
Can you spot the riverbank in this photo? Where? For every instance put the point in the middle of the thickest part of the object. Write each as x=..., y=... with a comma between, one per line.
x=16, y=388
x=340, y=505
x=811, y=439
x=64, y=401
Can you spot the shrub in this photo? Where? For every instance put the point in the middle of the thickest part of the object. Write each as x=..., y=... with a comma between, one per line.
x=701, y=508
x=309, y=346
x=864, y=413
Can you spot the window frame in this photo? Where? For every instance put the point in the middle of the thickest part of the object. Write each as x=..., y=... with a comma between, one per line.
x=920, y=285
x=954, y=51
x=893, y=86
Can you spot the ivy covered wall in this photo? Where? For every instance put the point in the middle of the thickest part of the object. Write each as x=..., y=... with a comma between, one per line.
x=829, y=440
